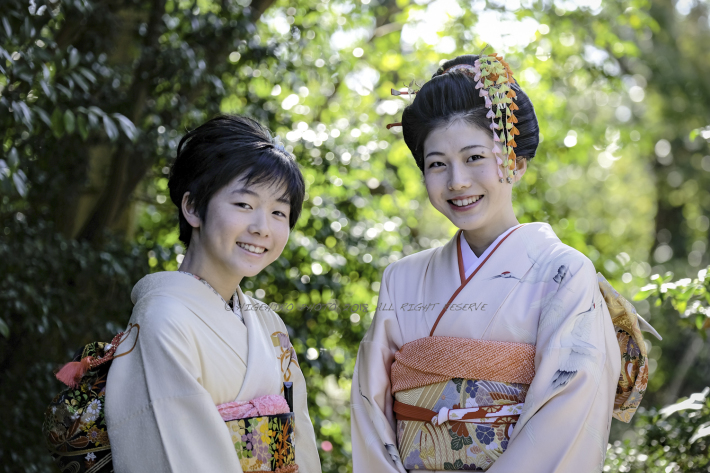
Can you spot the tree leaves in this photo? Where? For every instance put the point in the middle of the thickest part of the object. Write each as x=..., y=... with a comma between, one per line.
x=69, y=121
x=20, y=180
x=110, y=127
x=74, y=57
x=129, y=129
x=58, y=123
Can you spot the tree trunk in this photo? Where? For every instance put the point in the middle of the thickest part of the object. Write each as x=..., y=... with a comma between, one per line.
x=128, y=166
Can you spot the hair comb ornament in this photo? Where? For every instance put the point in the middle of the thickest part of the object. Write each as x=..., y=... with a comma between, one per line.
x=410, y=92
x=495, y=81
x=276, y=141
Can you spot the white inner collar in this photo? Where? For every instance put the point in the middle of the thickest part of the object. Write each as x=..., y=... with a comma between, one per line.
x=470, y=260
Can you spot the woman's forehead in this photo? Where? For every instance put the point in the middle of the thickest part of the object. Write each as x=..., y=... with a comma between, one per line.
x=267, y=190
x=456, y=136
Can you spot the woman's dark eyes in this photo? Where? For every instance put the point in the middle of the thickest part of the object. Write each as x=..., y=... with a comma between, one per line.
x=474, y=157
x=244, y=205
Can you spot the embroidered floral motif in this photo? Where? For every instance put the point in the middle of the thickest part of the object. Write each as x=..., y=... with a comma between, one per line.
x=633, y=379
x=264, y=443
x=285, y=353
x=74, y=425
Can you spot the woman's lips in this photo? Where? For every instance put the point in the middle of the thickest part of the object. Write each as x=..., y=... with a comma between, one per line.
x=464, y=208
x=254, y=250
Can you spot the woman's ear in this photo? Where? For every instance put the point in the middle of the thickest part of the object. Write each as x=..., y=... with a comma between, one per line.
x=521, y=165
x=190, y=212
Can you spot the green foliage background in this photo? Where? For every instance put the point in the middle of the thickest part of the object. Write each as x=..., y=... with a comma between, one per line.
x=94, y=97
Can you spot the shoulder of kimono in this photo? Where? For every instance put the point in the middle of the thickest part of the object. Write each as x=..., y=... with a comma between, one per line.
x=158, y=314
x=412, y=264
x=267, y=314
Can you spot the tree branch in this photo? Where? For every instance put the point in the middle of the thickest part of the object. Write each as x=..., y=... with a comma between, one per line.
x=109, y=205
x=129, y=167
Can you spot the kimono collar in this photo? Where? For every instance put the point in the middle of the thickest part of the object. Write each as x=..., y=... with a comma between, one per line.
x=200, y=300
x=229, y=306
x=469, y=259
x=251, y=341
x=262, y=377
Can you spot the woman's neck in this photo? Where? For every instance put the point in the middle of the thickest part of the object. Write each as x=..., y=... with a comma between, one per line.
x=220, y=278
x=481, y=238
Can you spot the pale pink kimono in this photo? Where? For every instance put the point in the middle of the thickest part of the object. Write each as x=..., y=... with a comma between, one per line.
x=528, y=288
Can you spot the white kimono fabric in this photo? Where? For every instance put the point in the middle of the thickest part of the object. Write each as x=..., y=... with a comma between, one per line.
x=191, y=355
x=533, y=290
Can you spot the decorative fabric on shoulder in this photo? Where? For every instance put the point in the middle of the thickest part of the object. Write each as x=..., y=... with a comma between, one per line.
x=435, y=359
x=634, y=363
x=74, y=425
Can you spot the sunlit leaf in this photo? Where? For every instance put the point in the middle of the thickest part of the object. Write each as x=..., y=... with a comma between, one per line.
x=44, y=116
x=74, y=57
x=126, y=125
x=110, y=127
x=20, y=180
x=13, y=157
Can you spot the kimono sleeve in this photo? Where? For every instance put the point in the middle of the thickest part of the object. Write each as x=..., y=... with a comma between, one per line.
x=160, y=418
x=306, y=449
x=373, y=425
x=565, y=421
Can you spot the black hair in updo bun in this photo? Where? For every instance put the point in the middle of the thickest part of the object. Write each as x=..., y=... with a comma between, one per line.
x=454, y=95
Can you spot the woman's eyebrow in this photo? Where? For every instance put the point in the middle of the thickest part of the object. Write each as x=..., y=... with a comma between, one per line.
x=283, y=199
x=439, y=153
x=243, y=190
x=471, y=146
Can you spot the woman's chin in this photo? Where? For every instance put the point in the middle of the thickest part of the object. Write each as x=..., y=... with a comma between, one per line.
x=468, y=222
x=246, y=270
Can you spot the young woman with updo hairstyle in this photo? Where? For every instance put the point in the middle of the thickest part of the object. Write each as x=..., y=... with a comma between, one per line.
x=496, y=351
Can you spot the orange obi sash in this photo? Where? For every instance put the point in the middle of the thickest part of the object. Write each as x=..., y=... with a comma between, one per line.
x=435, y=359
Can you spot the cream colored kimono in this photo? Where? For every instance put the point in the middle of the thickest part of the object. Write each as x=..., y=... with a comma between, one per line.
x=191, y=355
x=532, y=290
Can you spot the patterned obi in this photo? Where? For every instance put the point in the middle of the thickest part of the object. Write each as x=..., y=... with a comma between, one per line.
x=262, y=432
x=457, y=400
x=265, y=443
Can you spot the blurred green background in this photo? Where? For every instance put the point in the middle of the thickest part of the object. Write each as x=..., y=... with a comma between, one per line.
x=95, y=95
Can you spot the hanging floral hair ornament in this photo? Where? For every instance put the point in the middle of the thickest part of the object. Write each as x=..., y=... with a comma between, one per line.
x=495, y=80
x=494, y=83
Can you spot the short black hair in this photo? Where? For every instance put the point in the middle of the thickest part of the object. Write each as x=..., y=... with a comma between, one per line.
x=225, y=147
x=453, y=95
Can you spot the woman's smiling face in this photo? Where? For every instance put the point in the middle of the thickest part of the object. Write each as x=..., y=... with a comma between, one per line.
x=461, y=177
x=246, y=228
